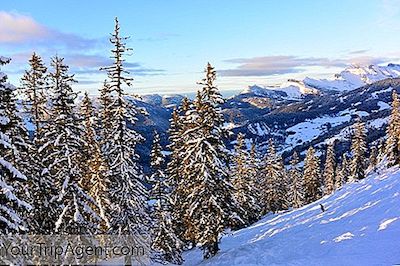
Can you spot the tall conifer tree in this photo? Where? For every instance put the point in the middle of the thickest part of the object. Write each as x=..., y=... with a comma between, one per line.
x=330, y=169
x=273, y=181
x=312, y=176
x=165, y=241
x=208, y=206
x=12, y=205
x=393, y=133
x=95, y=179
x=63, y=157
x=129, y=210
x=297, y=196
x=243, y=180
x=358, y=150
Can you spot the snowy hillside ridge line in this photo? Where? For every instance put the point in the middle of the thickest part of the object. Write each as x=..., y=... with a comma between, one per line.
x=350, y=78
x=360, y=226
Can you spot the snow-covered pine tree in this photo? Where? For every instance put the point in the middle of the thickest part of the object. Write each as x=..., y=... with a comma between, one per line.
x=62, y=156
x=253, y=168
x=12, y=205
x=312, y=176
x=105, y=116
x=273, y=183
x=95, y=168
x=254, y=165
x=34, y=89
x=128, y=195
x=21, y=155
x=358, y=150
x=373, y=158
x=339, y=176
x=173, y=172
x=296, y=183
x=165, y=242
x=243, y=180
x=393, y=133
x=329, y=169
x=209, y=206
x=344, y=170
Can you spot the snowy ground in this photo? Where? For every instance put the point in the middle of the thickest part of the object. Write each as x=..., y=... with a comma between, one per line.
x=361, y=226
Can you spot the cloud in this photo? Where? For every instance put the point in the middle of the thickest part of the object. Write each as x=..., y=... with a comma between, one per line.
x=24, y=30
x=358, y=52
x=279, y=65
x=274, y=65
x=368, y=60
x=15, y=28
x=90, y=65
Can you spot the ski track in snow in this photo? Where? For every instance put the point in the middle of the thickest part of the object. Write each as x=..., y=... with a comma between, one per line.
x=359, y=227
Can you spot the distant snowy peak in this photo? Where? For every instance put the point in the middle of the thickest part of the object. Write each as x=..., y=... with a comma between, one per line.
x=270, y=92
x=292, y=89
x=162, y=100
x=350, y=78
x=296, y=88
x=355, y=76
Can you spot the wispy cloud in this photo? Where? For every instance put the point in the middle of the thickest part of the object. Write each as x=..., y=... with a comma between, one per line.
x=274, y=65
x=15, y=28
x=90, y=64
x=18, y=29
x=279, y=65
x=358, y=52
x=368, y=60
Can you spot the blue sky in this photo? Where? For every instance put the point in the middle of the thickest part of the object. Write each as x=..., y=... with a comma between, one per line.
x=249, y=42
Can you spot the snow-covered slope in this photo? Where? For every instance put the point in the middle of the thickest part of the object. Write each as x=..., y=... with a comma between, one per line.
x=361, y=226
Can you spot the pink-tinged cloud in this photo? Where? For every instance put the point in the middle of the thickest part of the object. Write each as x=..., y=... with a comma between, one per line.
x=278, y=65
x=16, y=28
x=20, y=29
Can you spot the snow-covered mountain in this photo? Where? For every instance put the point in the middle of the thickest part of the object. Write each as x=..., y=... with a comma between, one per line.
x=350, y=78
x=318, y=120
x=355, y=76
x=162, y=100
x=360, y=226
x=292, y=89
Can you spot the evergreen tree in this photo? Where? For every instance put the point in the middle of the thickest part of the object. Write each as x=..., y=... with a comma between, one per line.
x=34, y=88
x=21, y=156
x=105, y=121
x=297, y=183
x=344, y=171
x=129, y=210
x=95, y=178
x=312, y=176
x=173, y=172
x=373, y=158
x=62, y=155
x=35, y=91
x=243, y=180
x=273, y=182
x=358, y=149
x=329, y=170
x=165, y=242
x=393, y=133
x=209, y=206
x=12, y=205
x=253, y=168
